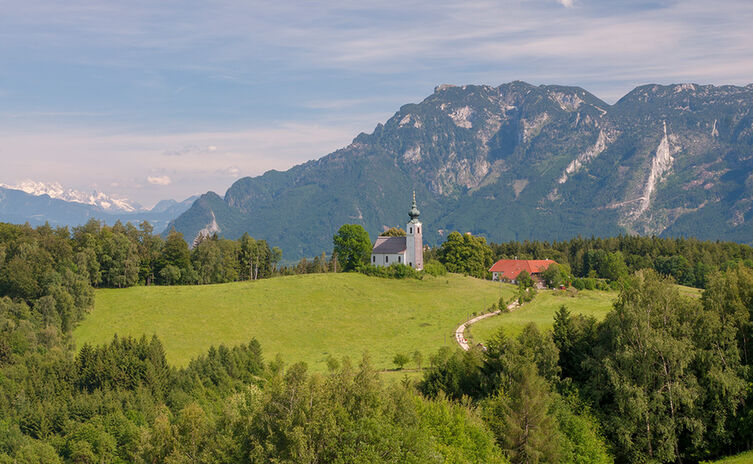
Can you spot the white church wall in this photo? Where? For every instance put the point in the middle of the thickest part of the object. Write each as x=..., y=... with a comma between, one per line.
x=387, y=259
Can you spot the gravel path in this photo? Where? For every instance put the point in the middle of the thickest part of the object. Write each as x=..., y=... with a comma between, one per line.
x=460, y=338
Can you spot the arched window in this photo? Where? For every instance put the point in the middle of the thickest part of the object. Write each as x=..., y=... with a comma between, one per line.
x=373, y=259
x=386, y=259
x=411, y=230
x=399, y=259
x=418, y=229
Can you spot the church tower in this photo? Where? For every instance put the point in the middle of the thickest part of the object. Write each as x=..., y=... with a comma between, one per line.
x=414, y=247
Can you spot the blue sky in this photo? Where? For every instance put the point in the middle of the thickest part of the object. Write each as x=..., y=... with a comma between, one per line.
x=155, y=100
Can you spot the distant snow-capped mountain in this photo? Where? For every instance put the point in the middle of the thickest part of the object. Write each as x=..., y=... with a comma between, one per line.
x=54, y=190
x=39, y=203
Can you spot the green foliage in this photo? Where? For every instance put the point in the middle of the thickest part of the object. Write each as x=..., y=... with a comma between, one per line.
x=466, y=254
x=556, y=275
x=574, y=337
x=393, y=232
x=591, y=283
x=460, y=435
x=170, y=275
x=689, y=261
x=352, y=246
x=521, y=420
x=512, y=380
x=175, y=252
x=434, y=268
x=581, y=438
x=393, y=271
x=663, y=370
x=479, y=374
x=400, y=360
x=418, y=359
x=526, y=291
x=525, y=280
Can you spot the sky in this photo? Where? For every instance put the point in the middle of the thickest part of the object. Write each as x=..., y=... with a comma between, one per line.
x=152, y=100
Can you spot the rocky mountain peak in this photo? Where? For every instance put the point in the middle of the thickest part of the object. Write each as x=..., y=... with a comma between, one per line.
x=518, y=161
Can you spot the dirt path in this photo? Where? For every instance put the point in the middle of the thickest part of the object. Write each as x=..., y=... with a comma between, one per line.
x=460, y=338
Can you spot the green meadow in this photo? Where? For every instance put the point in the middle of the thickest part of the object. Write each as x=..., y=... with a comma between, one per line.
x=541, y=312
x=744, y=458
x=303, y=318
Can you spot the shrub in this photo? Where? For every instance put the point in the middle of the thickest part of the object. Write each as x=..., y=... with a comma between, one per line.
x=434, y=268
x=401, y=360
x=393, y=271
x=590, y=283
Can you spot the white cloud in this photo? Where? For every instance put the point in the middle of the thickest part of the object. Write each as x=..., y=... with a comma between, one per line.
x=159, y=180
x=566, y=3
x=232, y=171
x=190, y=150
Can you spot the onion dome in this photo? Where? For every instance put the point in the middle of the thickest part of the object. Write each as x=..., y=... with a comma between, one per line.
x=414, y=212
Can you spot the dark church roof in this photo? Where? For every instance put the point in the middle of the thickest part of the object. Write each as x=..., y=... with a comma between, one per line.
x=389, y=245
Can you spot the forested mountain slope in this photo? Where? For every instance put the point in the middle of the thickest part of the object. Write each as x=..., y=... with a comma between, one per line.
x=516, y=162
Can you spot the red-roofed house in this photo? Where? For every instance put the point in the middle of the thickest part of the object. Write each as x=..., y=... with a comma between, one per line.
x=509, y=269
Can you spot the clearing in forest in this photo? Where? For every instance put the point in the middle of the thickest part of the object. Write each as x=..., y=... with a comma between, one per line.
x=303, y=318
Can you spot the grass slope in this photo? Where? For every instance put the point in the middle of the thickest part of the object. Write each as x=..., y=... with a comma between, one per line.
x=744, y=458
x=303, y=318
x=541, y=312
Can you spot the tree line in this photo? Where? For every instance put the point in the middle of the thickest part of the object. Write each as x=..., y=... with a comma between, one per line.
x=125, y=255
x=687, y=260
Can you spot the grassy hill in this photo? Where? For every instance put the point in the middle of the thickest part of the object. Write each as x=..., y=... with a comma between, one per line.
x=303, y=318
x=541, y=311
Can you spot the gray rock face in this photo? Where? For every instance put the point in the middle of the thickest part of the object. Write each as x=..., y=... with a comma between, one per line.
x=517, y=162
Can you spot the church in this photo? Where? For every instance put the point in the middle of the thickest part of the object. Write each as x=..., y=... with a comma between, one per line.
x=408, y=250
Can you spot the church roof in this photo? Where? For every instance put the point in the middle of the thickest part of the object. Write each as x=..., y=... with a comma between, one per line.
x=389, y=245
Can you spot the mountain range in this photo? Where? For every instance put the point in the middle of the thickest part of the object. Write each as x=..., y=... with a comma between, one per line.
x=515, y=161
x=38, y=203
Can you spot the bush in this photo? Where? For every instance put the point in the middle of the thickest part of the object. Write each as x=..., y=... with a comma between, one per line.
x=434, y=268
x=590, y=283
x=393, y=271
x=401, y=360
x=525, y=294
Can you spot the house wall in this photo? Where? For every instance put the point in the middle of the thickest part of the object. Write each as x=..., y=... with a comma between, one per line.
x=498, y=276
x=387, y=259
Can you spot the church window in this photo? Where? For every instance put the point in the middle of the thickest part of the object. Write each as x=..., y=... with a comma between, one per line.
x=386, y=259
x=411, y=230
x=418, y=229
x=373, y=259
x=399, y=259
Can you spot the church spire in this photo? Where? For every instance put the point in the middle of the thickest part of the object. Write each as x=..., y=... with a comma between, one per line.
x=414, y=212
